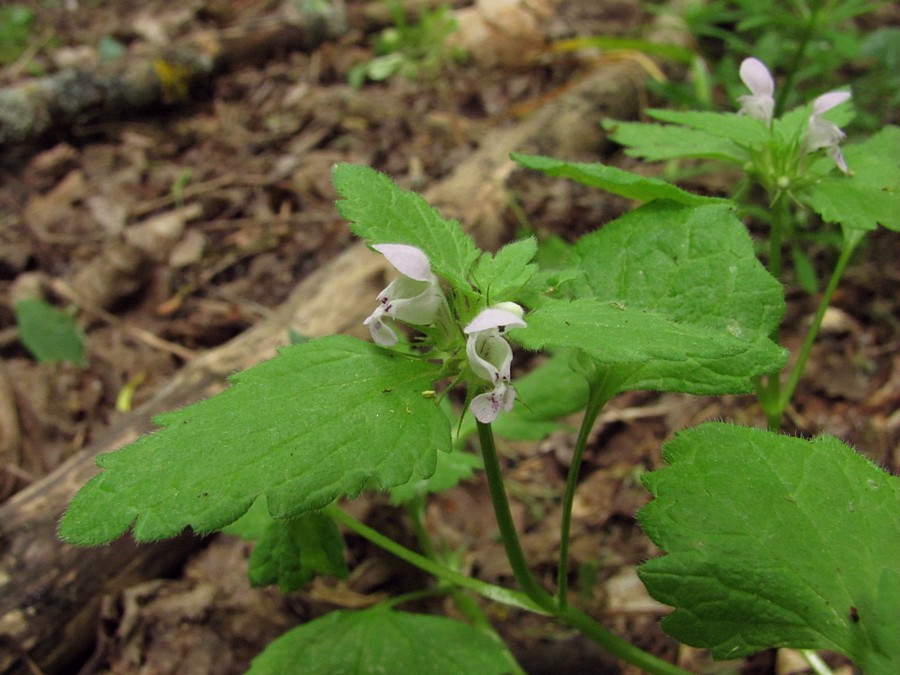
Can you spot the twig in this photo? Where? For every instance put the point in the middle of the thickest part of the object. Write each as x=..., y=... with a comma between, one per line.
x=66, y=291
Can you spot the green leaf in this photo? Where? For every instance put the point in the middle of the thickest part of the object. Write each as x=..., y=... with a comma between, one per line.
x=680, y=303
x=325, y=419
x=293, y=552
x=382, y=213
x=742, y=129
x=49, y=334
x=253, y=524
x=502, y=274
x=657, y=142
x=452, y=467
x=381, y=640
x=776, y=541
x=804, y=270
x=871, y=195
x=612, y=179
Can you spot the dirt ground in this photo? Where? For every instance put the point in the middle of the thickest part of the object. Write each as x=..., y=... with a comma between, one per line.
x=174, y=229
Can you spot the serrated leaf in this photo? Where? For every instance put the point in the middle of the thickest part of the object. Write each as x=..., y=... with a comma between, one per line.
x=382, y=213
x=291, y=553
x=742, y=129
x=452, y=467
x=502, y=274
x=253, y=524
x=658, y=142
x=381, y=640
x=871, y=195
x=681, y=303
x=776, y=541
x=324, y=419
x=612, y=179
x=49, y=334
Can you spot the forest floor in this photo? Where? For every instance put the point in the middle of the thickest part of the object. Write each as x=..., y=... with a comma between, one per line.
x=173, y=229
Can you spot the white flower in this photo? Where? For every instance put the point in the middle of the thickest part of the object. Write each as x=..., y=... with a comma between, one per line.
x=490, y=358
x=414, y=298
x=760, y=103
x=824, y=134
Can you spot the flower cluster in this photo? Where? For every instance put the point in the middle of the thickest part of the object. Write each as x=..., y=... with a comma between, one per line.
x=490, y=357
x=416, y=298
x=760, y=104
x=413, y=298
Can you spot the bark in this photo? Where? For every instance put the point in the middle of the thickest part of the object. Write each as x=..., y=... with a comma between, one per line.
x=49, y=591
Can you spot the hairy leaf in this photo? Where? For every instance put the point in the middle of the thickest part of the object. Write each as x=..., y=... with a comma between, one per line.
x=871, y=195
x=452, y=467
x=776, y=541
x=291, y=553
x=382, y=213
x=612, y=179
x=324, y=419
x=381, y=640
x=502, y=274
x=658, y=142
x=680, y=303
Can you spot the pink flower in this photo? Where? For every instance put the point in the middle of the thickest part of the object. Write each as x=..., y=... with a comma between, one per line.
x=414, y=298
x=490, y=358
x=760, y=103
x=821, y=133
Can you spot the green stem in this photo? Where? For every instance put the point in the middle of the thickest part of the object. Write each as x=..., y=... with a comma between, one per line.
x=461, y=598
x=597, y=399
x=568, y=615
x=614, y=644
x=815, y=662
x=511, y=543
x=464, y=602
x=498, y=594
x=851, y=239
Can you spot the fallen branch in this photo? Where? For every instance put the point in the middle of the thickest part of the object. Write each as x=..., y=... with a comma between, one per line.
x=32, y=108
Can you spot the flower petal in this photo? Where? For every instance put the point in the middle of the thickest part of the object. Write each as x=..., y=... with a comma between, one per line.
x=485, y=407
x=409, y=260
x=838, y=157
x=412, y=301
x=488, y=405
x=495, y=317
x=826, y=102
x=490, y=356
x=381, y=333
x=757, y=77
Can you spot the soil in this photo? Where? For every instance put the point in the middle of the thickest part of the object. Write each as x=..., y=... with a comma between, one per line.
x=170, y=231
